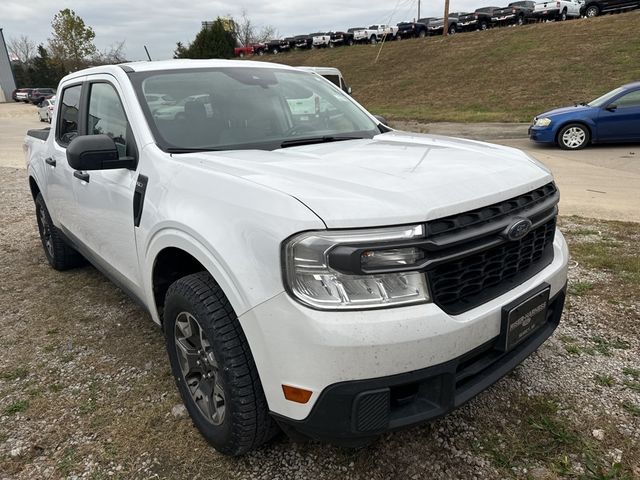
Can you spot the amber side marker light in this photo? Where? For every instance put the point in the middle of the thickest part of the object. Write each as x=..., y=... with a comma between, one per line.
x=295, y=394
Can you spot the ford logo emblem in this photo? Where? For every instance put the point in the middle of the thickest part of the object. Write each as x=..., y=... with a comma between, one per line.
x=518, y=229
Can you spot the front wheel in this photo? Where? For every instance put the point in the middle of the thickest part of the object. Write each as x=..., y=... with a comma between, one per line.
x=483, y=26
x=453, y=30
x=563, y=16
x=573, y=137
x=520, y=20
x=213, y=366
x=422, y=34
x=373, y=40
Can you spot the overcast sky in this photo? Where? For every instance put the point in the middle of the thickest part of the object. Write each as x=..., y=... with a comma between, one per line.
x=159, y=24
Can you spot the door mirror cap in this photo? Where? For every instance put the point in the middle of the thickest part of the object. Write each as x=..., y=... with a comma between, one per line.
x=349, y=91
x=612, y=107
x=381, y=119
x=96, y=152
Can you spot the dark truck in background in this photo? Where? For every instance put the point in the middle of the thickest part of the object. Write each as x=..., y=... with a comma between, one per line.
x=411, y=30
x=436, y=25
x=342, y=38
x=277, y=46
x=517, y=13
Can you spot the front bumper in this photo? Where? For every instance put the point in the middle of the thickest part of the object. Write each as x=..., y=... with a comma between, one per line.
x=351, y=413
x=542, y=134
x=322, y=351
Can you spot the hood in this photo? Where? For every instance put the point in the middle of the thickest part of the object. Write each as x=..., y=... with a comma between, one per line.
x=563, y=110
x=394, y=178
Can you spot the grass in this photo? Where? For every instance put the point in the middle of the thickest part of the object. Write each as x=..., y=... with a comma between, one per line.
x=604, y=380
x=632, y=408
x=632, y=372
x=462, y=78
x=547, y=437
x=16, y=407
x=15, y=374
x=580, y=288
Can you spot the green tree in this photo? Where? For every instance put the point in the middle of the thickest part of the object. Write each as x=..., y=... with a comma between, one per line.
x=215, y=41
x=71, y=42
x=43, y=71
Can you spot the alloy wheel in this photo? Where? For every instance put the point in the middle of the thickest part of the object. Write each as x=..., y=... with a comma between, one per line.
x=45, y=231
x=592, y=12
x=199, y=368
x=574, y=137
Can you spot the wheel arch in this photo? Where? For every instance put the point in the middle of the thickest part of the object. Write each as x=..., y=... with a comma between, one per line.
x=575, y=122
x=33, y=186
x=173, y=254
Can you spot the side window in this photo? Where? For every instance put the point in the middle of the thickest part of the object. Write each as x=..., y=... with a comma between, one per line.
x=629, y=100
x=106, y=115
x=69, y=115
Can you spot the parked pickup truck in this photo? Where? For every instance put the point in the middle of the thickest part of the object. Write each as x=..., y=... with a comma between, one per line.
x=364, y=35
x=557, y=10
x=411, y=30
x=276, y=46
x=436, y=26
x=385, y=32
x=516, y=13
x=243, y=51
x=468, y=22
x=320, y=40
x=342, y=38
x=318, y=273
x=593, y=8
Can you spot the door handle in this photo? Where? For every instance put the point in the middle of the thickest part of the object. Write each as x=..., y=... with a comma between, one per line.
x=84, y=176
x=50, y=161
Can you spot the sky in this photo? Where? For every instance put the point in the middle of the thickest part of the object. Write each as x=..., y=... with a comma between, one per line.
x=159, y=24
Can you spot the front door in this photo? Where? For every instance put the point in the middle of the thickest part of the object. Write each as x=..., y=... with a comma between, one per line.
x=619, y=121
x=105, y=197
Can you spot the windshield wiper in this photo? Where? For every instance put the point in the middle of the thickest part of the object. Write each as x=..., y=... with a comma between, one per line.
x=191, y=150
x=313, y=140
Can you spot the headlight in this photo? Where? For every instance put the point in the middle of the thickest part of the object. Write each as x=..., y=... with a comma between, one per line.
x=542, y=122
x=356, y=269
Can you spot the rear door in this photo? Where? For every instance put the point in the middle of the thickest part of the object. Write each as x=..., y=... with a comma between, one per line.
x=105, y=197
x=621, y=123
x=60, y=198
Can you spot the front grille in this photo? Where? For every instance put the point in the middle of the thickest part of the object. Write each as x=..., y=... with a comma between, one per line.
x=461, y=285
x=491, y=213
x=476, y=263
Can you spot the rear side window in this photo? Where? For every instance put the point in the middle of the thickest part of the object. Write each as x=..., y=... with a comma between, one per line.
x=68, y=118
x=106, y=116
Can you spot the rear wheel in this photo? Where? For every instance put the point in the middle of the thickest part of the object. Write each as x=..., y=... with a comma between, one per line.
x=563, y=15
x=483, y=26
x=453, y=30
x=520, y=20
x=592, y=11
x=573, y=137
x=59, y=255
x=213, y=366
x=373, y=40
x=422, y=34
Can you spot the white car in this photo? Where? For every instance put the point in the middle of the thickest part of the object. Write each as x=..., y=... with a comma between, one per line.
x=45, y=109
x=329, y=276
x=385, y=31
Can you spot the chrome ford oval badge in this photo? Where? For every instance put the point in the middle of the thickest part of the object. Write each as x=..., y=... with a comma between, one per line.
x=518, y=229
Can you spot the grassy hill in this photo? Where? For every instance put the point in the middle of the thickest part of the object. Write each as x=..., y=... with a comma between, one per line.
x=507, y=74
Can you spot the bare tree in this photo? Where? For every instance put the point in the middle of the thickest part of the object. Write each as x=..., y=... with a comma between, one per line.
x=112, y=55
x=247, y=32
x=22, y=48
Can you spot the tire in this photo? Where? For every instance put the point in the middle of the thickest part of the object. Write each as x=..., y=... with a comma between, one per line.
x=241, y=55
x=483, y=26
x=563, y=15
x=592, y=11
x=59, y=255
x=520, y=20
x=240, y=421
x=350, y=42
x=260, y=53
x=422, y=34
x=574, y=136
x=453, y=30
x=373, y=40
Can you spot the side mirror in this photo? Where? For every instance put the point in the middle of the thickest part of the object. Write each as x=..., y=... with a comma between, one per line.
x=612, y=107
x=96, y=152
x=349, y=91
x=381, y=119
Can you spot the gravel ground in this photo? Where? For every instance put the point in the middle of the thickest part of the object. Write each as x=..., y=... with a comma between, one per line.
x=86, y=390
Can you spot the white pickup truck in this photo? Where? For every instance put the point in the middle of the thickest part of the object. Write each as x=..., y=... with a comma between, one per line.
x=375, y=33
x=319, y=273
x=557, y=9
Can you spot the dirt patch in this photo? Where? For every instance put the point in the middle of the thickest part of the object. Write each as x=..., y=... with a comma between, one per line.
x=86, y=390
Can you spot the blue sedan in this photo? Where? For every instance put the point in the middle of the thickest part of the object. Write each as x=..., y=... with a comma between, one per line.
x=614, y=117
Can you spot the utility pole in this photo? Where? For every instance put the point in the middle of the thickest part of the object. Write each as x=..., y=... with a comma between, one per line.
x=418, y=11
x=445, y=27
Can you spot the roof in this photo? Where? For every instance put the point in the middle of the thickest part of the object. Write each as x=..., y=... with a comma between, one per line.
x=176, y=64
x=322, y=70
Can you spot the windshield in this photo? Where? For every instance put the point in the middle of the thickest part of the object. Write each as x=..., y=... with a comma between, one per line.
x=247, y=108
x=604, y=99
